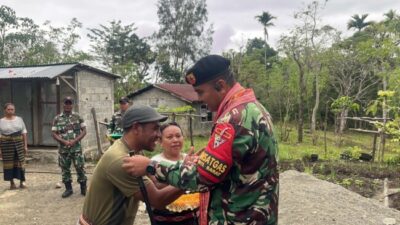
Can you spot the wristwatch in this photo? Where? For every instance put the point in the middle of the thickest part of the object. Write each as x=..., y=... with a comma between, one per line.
x=151, y=168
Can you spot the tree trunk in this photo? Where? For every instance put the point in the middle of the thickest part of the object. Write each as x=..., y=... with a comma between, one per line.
x=384, y=117
x=302, y=87
x=343, y=120
x=265, y=61
x=314, y=111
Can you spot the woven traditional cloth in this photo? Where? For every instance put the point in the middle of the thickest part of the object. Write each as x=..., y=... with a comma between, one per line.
x=12, y=148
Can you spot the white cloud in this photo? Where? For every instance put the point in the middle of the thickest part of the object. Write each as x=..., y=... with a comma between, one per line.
x=234, y=20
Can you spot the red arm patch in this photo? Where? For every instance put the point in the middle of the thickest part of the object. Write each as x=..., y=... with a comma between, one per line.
x=215, y=162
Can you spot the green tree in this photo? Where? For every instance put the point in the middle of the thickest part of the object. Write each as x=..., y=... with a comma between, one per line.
x=304, y=45
x=23, y=42
x=122, y=52
x=8, y=22
x=66, y=39
x=358, y=22
x=391, y=15
x=265, y=19
x=183, y=36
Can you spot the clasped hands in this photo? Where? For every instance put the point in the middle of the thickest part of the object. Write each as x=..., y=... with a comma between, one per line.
x=69, y=143
x=136, y=165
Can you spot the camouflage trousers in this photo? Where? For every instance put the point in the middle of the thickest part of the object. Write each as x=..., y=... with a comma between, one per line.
x=64, y=161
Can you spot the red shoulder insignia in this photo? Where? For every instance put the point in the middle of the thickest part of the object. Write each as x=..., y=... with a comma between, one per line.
x=215, y=162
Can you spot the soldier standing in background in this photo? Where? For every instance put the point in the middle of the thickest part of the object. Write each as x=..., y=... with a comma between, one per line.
x=115, y=125
x=239, y=166
x=68, y=129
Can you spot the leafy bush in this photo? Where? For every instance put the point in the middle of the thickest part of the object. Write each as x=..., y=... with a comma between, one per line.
x=351, y=153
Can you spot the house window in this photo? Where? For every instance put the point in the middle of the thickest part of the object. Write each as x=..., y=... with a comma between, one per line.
x=206, y=115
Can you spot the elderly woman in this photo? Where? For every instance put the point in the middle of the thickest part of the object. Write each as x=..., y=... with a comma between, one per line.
x=172, y=144
x=13, y=145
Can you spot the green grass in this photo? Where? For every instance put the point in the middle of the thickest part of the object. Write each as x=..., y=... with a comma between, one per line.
x=291, y=150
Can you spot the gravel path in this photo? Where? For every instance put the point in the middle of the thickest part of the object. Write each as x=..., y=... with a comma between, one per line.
x=304, y=200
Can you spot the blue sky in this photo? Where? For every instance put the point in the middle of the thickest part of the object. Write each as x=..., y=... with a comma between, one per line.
x=233, y=20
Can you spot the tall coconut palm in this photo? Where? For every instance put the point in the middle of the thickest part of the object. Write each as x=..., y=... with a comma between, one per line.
x=265, y=19
x=391, y=15
x=358, y=22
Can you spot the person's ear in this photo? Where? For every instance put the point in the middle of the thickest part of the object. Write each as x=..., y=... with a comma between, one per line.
x=136, y=128
x=221, y=86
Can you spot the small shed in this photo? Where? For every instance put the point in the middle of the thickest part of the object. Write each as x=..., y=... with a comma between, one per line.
x=174, y=96
x=37, y=92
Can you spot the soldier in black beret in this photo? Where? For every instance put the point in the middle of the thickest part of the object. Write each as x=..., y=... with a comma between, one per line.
x=239, y=165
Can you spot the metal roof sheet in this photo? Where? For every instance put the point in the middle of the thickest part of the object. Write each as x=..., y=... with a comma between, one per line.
x=48, y=71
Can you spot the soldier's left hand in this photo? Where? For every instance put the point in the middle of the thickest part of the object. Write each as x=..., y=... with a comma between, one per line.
x=136, y=165
x=72, y=143
x=191, y=157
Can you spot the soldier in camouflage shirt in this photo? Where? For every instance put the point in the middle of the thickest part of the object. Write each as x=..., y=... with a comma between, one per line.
x=237, y=172
x=68, y=129
x=115, y=125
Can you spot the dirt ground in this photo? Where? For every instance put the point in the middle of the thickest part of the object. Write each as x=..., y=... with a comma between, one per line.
x=304, y=200
x=41, y=202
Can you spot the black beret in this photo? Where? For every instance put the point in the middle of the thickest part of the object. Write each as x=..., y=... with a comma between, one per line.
x=68, y=99
x=123, y=100
x=206, y=69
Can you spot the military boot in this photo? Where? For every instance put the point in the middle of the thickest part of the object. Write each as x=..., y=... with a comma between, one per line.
x=68, y=190
x=83, y=188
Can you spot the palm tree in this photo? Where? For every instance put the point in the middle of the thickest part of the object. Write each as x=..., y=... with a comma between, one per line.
x=265, y=19
x=391, y=15
x=358, y=22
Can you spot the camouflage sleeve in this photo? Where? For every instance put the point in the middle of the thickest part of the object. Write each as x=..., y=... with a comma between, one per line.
x=54, y=126
x=82, y=122
x=111, y=125
x=212, y=167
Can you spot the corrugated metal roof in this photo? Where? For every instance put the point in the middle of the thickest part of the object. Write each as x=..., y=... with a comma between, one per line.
x=48, y=71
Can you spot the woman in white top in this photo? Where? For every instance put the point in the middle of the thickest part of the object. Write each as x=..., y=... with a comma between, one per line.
x=13, y=146
x=172, y=144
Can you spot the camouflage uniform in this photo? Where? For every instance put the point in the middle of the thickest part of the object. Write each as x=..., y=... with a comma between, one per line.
x=115, y=124
x=69, y=127
x=238, y=167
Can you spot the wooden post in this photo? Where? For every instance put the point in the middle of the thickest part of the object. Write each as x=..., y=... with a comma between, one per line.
x=325, y=127
x=191, y=128
x=374, y=147
x=383, y=141
x=96, y=128
x=385, y=192
x=58, y=95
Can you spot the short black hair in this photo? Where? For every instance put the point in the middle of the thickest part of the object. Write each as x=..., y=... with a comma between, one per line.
x=165, y=125
x=227, y=76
